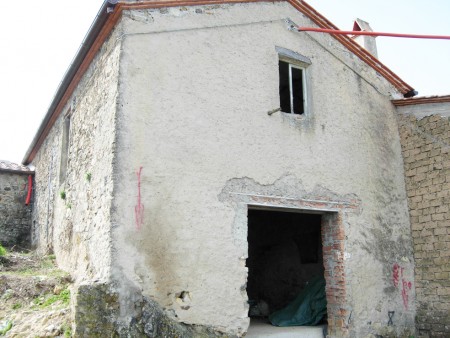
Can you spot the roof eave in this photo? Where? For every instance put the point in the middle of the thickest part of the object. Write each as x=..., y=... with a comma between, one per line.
x=421, y=100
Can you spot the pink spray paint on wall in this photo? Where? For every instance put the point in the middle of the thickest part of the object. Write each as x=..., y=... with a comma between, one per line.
x=139, y=208
x=406, y=286
x=395, y=274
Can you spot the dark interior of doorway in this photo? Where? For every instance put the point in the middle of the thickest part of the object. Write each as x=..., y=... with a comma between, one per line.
x=284, y=253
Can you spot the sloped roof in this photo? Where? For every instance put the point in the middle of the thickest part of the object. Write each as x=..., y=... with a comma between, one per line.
x=110, y=13
x=14, y=167
x=421, y=100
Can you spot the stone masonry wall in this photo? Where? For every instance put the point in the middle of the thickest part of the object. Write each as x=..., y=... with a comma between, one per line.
x=426, y=148
x=15, y=216
x=71, y=209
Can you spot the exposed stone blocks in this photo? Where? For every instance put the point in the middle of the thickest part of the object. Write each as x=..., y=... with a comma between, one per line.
x=96, y=309
x=77, y=227
x=426, y=151
x=15, y=216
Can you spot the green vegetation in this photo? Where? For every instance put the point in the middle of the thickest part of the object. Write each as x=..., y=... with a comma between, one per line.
x=46, y=301
x=2, y=251
x=16, y=306
x=67, y=330
x=62, y=194
x=6, y=328
x=35, y=288
x=88, y=177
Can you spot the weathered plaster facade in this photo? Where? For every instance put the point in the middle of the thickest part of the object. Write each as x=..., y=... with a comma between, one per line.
x=195, y=88
x=15, y=216
x=171, y=143
x=425, y=134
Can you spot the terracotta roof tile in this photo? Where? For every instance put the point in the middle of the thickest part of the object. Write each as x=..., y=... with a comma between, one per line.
x=421, y=100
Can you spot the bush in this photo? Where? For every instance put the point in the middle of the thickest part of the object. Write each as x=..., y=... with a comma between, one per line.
x=2, y=251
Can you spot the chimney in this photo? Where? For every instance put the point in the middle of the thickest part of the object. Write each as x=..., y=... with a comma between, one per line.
x=368, y=42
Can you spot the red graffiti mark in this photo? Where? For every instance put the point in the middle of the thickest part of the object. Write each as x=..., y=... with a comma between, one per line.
x=405, y=288
x=396, y=274
x=139, y=208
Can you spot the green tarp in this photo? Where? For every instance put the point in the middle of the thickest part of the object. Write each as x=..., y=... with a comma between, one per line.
x=307, y=309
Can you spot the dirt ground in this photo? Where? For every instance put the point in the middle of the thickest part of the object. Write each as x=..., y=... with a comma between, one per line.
x=34, y=297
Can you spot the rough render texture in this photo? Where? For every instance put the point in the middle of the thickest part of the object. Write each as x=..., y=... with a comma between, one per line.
x=15, y=216
x=426, y=149
x=195, y=87
x=97, y=309
x=77, y=228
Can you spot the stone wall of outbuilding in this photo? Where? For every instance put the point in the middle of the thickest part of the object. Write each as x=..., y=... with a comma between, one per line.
x=15, y=216
x=425, y=140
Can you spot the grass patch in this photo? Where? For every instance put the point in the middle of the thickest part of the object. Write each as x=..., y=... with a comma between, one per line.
x=16, y=306
x=2, y=251
x=47, y=263
x=46, y=301
x=6, y=328
x=67, y=330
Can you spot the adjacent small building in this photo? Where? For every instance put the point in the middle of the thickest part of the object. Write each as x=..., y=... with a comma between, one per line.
x=15, y=211
x=424, y=124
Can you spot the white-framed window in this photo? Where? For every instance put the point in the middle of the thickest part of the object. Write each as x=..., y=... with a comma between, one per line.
x=293, y=81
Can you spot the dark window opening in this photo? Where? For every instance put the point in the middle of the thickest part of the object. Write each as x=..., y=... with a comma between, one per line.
x=64, y=149
x=284, y=254
x=291, y=88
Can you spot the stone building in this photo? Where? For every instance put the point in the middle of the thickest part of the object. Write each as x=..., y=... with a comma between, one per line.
x=15, y=214
x=199, y=155
x=424, y=124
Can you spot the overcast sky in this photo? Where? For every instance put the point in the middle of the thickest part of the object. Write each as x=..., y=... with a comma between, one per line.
x=40, y=38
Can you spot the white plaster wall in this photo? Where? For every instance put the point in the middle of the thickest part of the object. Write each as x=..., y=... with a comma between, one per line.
x=77, y=229
x=422, y=110
x=195, y=88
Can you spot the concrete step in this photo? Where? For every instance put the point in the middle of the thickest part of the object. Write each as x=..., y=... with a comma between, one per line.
x=261, y=328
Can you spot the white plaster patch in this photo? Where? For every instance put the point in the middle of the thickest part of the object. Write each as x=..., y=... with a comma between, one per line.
x=347, y=256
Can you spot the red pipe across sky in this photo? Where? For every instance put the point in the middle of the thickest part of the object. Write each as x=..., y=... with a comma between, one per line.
x=398, y=35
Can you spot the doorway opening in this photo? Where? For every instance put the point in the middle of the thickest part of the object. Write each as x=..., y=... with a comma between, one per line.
x=284, y=254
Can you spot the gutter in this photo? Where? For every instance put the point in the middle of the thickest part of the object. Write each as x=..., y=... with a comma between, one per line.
x=88, y=41
x=18, y=172
x=421, y=100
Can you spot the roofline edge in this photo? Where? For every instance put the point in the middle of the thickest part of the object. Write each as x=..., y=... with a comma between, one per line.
x=421, y=100
x=68, y=78
x=354, y=47
x=102, y=25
